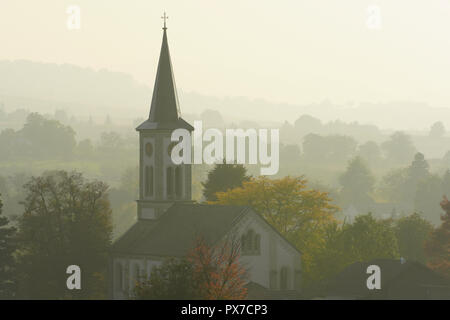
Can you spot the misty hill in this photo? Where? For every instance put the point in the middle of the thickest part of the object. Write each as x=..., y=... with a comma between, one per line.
x=84, y=92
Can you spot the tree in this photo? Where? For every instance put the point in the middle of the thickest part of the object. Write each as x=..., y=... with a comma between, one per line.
x=289, y=159
x=365, y=239
x=370, y=152
x=418, y=169
x=208, y=273
x=328, y=149
x=223, y=177
x=299, y=213
x=437, y=130
x=307, y=124
x=85, y=149
x=437, y=248
x=412, y=186
x=67, y=220
x=46, y=138
x=426, y=198
x=357, y=183
x=212, y=119
x=368, y=238
x=7, y=248
x=446, y=182
x=412, y=232
x=399, y=148
x=110, y=142
x=172, y=280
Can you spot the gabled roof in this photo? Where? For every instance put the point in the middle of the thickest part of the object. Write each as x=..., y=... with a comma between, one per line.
x=176, y=231
x=164, y=109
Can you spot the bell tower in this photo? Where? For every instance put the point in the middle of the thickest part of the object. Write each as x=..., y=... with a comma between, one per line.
x=161, y=182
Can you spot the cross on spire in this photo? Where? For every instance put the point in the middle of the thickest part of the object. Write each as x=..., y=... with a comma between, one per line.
x=165, y=17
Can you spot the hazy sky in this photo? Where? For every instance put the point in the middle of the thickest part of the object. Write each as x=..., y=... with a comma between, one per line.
x=296, y=51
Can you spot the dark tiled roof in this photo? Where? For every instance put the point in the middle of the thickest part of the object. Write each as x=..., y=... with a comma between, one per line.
x=256, y=291
x=175, y=232
x=351, y=282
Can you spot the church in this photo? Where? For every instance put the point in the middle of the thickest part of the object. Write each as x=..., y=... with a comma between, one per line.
x=169, y=222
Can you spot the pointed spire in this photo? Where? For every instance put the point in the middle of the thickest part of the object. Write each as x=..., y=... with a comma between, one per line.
x=164, y=107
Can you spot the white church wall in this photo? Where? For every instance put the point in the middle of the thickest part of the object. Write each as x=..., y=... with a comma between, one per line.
x=132, y=269
x=265, y=268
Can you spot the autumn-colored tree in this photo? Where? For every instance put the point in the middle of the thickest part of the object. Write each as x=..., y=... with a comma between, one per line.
x=207, y=273
x=438, y=246
x=217, y=270
x=67, y=221
x=299, y=213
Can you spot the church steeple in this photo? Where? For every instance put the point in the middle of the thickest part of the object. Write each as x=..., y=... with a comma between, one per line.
x=164, y=109
x=162, y=182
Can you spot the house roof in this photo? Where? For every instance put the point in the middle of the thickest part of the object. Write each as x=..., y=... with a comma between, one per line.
x=351, y=282
x=256, y=291
x=176, y=231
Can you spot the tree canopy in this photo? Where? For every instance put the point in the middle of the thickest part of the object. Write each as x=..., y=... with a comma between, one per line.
x=67, y=221
x=299, y=213
x=223, y=177
x=7, y=247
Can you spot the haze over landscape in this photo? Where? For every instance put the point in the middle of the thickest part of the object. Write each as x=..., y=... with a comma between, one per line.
x=250, y=58
x=354, y=94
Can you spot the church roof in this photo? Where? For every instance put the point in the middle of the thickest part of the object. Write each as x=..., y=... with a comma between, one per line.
x=176, y=231
x=164, y=109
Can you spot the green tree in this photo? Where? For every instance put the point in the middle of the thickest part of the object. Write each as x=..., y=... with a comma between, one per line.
x=307, y=124
x=223, y=177
x=370, y=152
x=418, y=169
x=67, y=220
x=437, y=248
x=172, y=280
x=46, y=138
x=357, y=184
x=335, y=149
x=412, y=232
x=399, y=148
x=365, y=239
x=426, y=198
x=7, y=248
x=437, y=130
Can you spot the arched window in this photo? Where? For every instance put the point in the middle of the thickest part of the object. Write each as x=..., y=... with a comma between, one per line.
x=243, y=243
x=169, y=181
x=119, y=277
x=250, y=239
x=149, y=181
x=178, y=181
x=250, y=243
x=257, y=244
x=284, y=278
